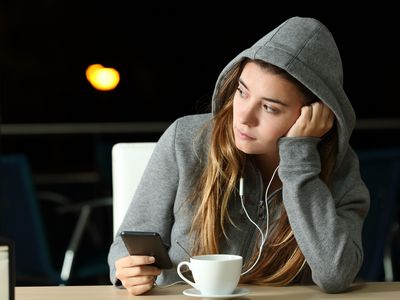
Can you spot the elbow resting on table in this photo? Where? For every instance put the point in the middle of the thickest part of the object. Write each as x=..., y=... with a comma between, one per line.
x=335, y=281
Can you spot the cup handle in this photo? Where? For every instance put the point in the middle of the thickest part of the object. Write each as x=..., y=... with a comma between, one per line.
x=178, y=268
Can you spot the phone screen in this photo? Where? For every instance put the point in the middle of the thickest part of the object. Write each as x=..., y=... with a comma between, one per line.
x=147, y=243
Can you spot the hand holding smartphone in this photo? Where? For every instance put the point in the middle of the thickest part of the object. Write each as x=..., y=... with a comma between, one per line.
x=147, y=243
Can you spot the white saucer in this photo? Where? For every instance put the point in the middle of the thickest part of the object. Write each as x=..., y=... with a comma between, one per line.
x=236, y=293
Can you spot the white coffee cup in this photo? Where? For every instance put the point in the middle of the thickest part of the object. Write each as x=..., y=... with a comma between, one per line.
x=216, y=274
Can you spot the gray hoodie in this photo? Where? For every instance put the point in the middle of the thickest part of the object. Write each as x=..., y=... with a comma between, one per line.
x=327, y=222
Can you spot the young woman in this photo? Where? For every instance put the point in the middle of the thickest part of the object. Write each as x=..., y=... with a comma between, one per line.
x=274, y=153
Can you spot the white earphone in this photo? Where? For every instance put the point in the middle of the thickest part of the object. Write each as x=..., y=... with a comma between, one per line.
x=263, y=235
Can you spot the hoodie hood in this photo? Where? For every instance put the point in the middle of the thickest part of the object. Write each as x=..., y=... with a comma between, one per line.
x=306, y=49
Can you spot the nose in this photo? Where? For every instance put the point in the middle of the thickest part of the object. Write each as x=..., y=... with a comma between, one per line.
x=248, y=114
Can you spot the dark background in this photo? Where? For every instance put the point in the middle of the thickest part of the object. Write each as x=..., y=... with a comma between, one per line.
x=169, y=56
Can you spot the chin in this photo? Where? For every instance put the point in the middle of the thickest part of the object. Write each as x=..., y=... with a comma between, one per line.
x=246, y=148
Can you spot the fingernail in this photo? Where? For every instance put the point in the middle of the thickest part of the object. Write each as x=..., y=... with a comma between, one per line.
x=151, y=259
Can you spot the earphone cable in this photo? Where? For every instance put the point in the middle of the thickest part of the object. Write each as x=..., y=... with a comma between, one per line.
x=263, y=236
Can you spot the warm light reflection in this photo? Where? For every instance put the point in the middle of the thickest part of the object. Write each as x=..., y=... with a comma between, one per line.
x=101, y=78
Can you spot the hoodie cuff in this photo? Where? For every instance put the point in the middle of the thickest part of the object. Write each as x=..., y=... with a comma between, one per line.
x=299, y=152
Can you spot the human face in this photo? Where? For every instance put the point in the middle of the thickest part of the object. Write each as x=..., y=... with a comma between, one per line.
x=265, y=106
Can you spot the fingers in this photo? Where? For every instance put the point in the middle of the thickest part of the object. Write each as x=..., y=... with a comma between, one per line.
x=314, y=121
x=135, y=273
x=320, y=112
x=300, y=125
x=306, y=113
x=137, y=286
x=140, y=289
x=141, y=271
x=321, y=120
x=134, y=260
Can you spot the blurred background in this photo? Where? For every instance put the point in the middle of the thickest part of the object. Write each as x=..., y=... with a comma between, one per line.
x=61, y=129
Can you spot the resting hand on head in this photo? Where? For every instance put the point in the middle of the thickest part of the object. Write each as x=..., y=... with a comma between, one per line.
x=314, y=121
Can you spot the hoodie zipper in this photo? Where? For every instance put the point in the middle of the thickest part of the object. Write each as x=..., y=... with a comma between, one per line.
x=260, y=215
x=261, y=212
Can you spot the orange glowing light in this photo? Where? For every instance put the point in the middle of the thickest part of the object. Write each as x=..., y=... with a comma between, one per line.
x=101, y=78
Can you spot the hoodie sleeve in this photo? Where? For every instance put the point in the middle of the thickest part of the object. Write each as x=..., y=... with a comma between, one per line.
x=326, y=222
x=152, y=205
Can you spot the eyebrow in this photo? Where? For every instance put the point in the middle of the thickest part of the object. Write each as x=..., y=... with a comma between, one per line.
x=277, y=101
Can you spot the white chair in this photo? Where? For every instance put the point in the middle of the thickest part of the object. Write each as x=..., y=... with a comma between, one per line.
x=128, y=163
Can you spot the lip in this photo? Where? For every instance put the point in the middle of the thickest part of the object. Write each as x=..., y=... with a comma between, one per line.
x=244, y=136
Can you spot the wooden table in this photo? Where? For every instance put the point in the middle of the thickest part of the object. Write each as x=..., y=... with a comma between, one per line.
x=377, y=290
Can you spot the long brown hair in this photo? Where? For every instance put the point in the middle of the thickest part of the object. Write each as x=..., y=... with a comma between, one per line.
x=281, y=260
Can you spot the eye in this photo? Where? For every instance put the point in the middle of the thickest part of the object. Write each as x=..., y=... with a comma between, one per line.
x=270, y=109
x=242, y=93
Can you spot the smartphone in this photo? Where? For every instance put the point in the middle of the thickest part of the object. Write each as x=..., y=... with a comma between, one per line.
x=147, y=243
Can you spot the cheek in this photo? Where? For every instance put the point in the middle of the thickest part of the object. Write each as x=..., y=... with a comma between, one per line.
x=293, y=117
x=290, y=120
x=235, y=109
x=276, y=129
x=278, y=132
x=279, y=127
